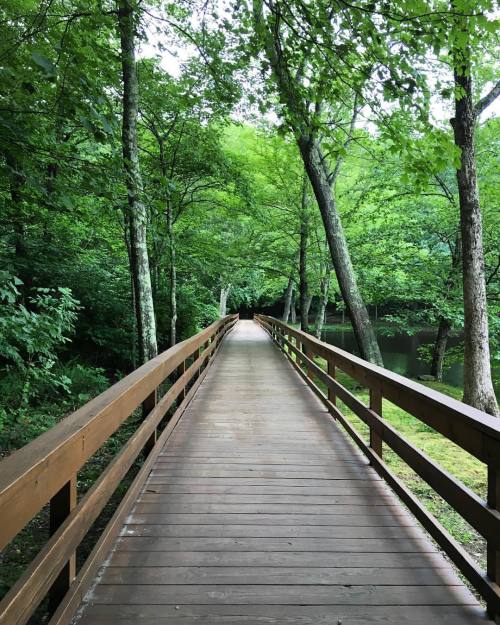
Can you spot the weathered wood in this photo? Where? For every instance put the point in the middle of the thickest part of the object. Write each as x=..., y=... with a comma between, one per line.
x=281, y=614
x=53, y=569
x=35, y=473
x=475, y=431
x=471, y=430
x=257, y=500
x=66, y=608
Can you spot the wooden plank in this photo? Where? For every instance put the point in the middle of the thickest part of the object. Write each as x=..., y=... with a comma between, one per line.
x=356, y=488
x=323, y=500
x=265, y=575
x=399, y=518
x=282, y=595
x=231, y=530
x=281, y=615
x=304, y=559
x=343, y=545
x=192, y=508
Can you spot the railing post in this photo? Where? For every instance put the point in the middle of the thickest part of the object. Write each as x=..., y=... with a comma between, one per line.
x=147, y=405
x=376, y=406
x=332, y=373
x=61, y=505
x=196, y=355
x=493, y=554
x=180, y=371
x=310, y=355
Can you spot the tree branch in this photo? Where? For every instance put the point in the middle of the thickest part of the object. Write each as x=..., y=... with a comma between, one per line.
x=488, y=99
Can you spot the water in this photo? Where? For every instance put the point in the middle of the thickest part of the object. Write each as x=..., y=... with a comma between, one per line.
x=400, y=354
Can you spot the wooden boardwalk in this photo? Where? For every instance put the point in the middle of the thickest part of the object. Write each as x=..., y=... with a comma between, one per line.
x=260, y=511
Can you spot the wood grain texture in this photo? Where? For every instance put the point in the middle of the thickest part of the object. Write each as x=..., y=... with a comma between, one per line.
x=260, y=511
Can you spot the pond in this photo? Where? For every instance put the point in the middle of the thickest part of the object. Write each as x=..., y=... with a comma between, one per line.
x=399, y=351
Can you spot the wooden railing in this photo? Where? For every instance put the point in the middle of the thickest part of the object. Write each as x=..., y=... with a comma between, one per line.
x=45, y=471
x=471, y=429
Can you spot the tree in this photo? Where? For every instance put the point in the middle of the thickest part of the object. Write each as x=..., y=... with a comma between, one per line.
x=136, y=212
x=307, y=112
x=478, y=386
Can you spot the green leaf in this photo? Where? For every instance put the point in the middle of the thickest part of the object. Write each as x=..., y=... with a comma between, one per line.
x=44, y=63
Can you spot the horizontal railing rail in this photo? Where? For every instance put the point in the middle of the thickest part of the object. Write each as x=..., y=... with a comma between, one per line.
x=474, y=431
x=45, y=471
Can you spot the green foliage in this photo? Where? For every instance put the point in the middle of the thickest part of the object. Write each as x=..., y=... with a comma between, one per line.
x=31, y=337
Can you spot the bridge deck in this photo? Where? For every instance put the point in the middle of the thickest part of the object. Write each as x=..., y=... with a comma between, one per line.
x=259, y=511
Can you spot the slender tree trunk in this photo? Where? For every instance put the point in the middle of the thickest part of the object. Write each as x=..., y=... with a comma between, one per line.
x=356, y=308
x=224, y=294
x=320, y=316
x=303, y=124
x=303, y=286
x=288, y=300
x=444, y=327
x=440, y=349
x=172, y=276
x=478, y=386
x=132, y=292
x=146, y=324
x=293, y=311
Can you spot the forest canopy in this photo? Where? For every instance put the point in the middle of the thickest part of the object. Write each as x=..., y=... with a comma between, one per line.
x=163, y=163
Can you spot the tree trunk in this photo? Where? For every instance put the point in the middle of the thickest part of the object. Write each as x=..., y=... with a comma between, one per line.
x=320, y=315
x=132, y=293
x=303, y=286
x=315, y=166
x=293, y=311
x=440, y=348
x=172, y=276
x=146, y=324
x=288, y=300
x=224, y=293
x=478, y=386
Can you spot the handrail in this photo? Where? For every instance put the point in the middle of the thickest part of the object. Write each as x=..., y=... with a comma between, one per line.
x=45, y=470
x=474, y=431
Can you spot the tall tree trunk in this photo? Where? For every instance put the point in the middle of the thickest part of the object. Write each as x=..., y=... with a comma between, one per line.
x=478, y=386
x=320, y=315
x=439, y=349
x=288, y=300
x=444, y=327
x=146, y=324
x=293, y=311
x=303, y=286
x=172, y=275
x=315, y=166
x=224, y=294
x=304, y=125
x=132, y=291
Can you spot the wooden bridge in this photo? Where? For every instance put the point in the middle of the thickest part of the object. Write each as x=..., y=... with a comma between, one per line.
x=252, y=505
